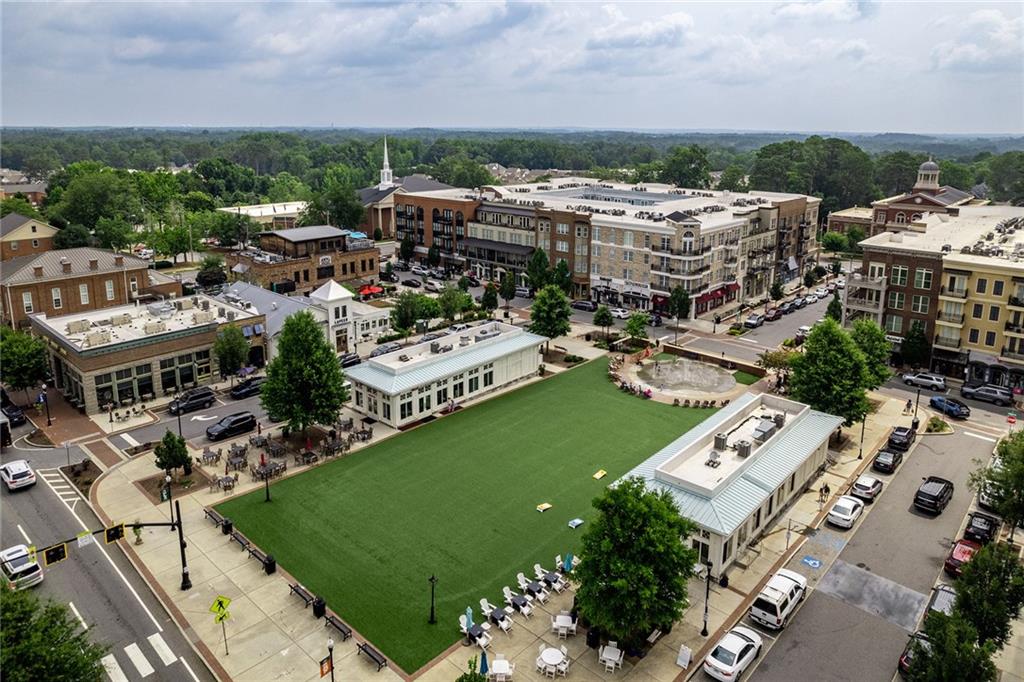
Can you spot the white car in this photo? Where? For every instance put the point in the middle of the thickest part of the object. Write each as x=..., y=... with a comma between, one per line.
x=821, y=292
x=811, y=298
x=840, y=284
x=17, y=474
x=420, y=270
x=866, y=488
x=20, y=568
x=845, y=512
x=733, y=654
x=620, y=313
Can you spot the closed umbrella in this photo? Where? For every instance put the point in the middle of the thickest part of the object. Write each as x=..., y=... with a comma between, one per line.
x=567, y=564
x=469, y=617
x=483, y=662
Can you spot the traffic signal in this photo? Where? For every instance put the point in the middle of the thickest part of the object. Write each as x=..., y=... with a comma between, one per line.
x=55, y=554
x=114, y=533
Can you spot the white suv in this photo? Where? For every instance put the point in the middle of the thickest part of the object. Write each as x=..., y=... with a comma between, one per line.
x=934, y=382
x=17, y=474
x=778, y=599
x=20, y=568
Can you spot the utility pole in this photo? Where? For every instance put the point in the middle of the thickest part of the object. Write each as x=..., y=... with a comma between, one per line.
x=186, y=583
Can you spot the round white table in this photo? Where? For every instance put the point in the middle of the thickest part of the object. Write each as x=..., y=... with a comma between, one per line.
x=552, y=656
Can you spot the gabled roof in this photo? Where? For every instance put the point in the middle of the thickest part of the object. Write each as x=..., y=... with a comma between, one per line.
x=416, y=182
x=273, y=306
x=22, y=270
x=12, y=221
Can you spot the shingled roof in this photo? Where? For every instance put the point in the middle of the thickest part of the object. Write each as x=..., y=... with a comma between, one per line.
x=22, y=270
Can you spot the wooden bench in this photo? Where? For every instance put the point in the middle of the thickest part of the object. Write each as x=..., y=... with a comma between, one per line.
x=372, y=654
x=560, y=349
x=258, y=553
x=304, y=594
x=335, y=622
x=240, y=539
x=212, y=514
x=654, y=637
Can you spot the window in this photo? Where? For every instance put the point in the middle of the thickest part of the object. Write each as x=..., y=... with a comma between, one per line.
x=627, y=238
x=596, y=233
x=26, y=301
x=990, y=338
x=919, y=305
x=972, y=336
x=993, y=313
x=55, y=293
x=896, y=300
x=997, y=287
x=442, y=396
x=109, y=286
x=386, y=410
x=488, y=378
x=562, y=246
x=627, y=256
x=880, y=216
x=563, y=228
x=977, y=311
x=876, y=270
x=35, y=243
x=922, y=278
x=359, y=398
x=14, y=246
x=899, y=275
x=458, y=389
x=894, y=324
x=405, y=410
x=425, y=403
x=83, y=293
x=901, y=218
x=133, y=284
x=474, y=384
x=981, y=285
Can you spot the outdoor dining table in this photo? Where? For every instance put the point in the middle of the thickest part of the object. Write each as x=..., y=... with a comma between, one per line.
x=275, y=449
x=476, y=632
x=499, y=614
x=551, y=578
x=226, y=482
x=534, y=587
x=500, y=666
x=520, y=602
x=258, y=441
x=236, y=462
x=210, y=456
x=552, y=656
x=610, y=654
x=562, y=621
x=309, y=457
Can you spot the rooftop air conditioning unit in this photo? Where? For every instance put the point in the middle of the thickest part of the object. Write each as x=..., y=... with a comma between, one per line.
x=743, y=448
x=118, y=320
x=780, y=419
x=721, y=441
x=232, y=315
x=155, y=327
x=464, y=340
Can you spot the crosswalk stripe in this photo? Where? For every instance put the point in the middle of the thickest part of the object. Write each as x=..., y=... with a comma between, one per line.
x=113, y=669
x=128, y=439
x=162, y=650
x=978, y=435
x=139, y=659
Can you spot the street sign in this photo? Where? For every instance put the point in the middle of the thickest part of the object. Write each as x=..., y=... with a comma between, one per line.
x=55, y=554
x=326, y=666
x=84, y=538
x=114, y=533
x=220, y=604
x=222, y=616
x=165, y=493
x=1011, y=418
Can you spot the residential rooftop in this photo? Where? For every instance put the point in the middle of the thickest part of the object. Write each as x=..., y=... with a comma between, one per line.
x=862, y=212
x=256, y=211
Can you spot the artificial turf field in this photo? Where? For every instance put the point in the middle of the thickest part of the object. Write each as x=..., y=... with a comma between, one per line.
x=457, y=498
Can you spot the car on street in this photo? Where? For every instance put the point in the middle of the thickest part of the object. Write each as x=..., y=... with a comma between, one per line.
x=472, y=279
x=420, y=270
x=907, y=657
x=14, y=415
x=934, y=382
x=845, y=511
x=778, y=599
x=950, y=406
x=384, y=348
x=866, y=488
x=961, y=552
x=249, y=387
x=840, y=284
x=753, y=321
x=20, y=568
x=733, y=654
x=620, y=313
x=524, y=292
x=431, y=336
x=401, y=266
x=821, y=292
x=811, y=298
x=887, y=461
x=458, y=328
x=232, y=425
x=992, y=394
x=942, y=599
x=349, y=360
x=934, y=494
x=901, y=438
x=389, y=277
x=982, y=527
x=773, y=315
x=588, y=306
x=438, y=274
x=434, y=286
x=802, y=332
x=193, y=399
x=17, y=474
x=786, y=308
x=799, y=302
x=414, y=283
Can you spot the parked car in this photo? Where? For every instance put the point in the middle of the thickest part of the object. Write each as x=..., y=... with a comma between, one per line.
x=733, y=654
x=988, y=495
x=15, y=415
x=845, y=512
x=458, y=328
x=402, y=266
x=414, y=283
x=840, y=284
x=787, y=307
x=193, y=399
x=811, y=298
x=232, y=425
x=831, y=288
x=420, y=270
x=866, y=488
x=434, y=286
x=803, y=331
x=431, y=336
x=961, y=552
x=17, y=474
x=942, y=599
x=773, y=315
x=249, y=387
x=588, y=306
x=799, y=302
x=982, y=527
x=389, y=277
x=20, y=568
x=349, y=360
x=901, y=438
x=907, y=657
x=934, y=382
x=950, y=406
x=524, y=292
x=821, y=292
x=778, y=599
x=384, y=348
x=991, y=394
x=887, y=461
x=753, y=321
x=934, y=494
x=620, y=313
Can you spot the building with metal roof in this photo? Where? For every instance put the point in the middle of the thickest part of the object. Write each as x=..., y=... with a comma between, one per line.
x=410, y=384
x=735, y=472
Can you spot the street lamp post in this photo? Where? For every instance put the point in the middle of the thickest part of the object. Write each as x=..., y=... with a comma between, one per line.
x=433, y=581
x=860, y=452
x=177, y=399
x=330, y=655
x=186, y=582
x=266, y=479
x=170, y=504
x=67, y=450
x=46, y=401
x=918, y=402
x=707, y=597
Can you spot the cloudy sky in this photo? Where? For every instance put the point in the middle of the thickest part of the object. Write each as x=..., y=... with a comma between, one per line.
x=831, y=65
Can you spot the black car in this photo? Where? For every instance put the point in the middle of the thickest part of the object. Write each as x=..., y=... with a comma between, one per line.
x=350, y=360
x=194, y=399
x=14, y=415
x=887, y=461
x=384, y=348
x=982, y=528
x=249, y=387
x=402, y=266
x=389, y=277
x=934, y=494
x=799, y=302
x=654, y=320
x=414, y=283
x=901, y=438
x=773, y=315
x=473, y=281
x=787, y=308
x=232, y=425
x=588, y=306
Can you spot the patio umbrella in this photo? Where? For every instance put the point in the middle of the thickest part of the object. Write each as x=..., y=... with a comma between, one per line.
x=225, y=468
x=483, y=662
x=567, y=564
x=469, y=617
x=370, y=289
x=263, y=459
x=309, y=443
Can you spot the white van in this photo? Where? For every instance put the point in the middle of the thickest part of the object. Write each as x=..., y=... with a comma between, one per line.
x=778, y=599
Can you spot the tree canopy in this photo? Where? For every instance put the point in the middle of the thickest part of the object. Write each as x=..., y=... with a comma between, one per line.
x=489, y=299
x=916, y=348
x=549, y=315
x=72, y=237
x=538, y=269
x=603, y=318
x=232, y=350
x=171, y=453
x=952, y=654
x=561, y=277
x=687, y=167
x=636, y=325
x=831, y=374
x=25, y=364
x=870, y=338
x=1005, y=483
x=990, y=592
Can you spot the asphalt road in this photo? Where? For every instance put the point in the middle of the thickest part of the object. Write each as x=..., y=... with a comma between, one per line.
x=193, y=424
x=874, y=594
x=105, y=592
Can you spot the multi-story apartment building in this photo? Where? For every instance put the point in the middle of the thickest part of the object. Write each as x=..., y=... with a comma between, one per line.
x=436, y=218
x=960, y=274
x=927, y=196
x=500, y=239
x=22, y=236
x=380, y=200
x=303, y=258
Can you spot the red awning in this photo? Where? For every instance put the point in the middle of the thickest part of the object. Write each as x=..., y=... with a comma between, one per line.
x=732, y=286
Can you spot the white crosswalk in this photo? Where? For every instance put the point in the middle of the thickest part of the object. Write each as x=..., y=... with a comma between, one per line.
x=60, y=486
x=135, y=661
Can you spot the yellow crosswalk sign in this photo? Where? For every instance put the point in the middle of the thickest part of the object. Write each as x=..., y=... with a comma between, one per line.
x=222, y=616
x=220, y=604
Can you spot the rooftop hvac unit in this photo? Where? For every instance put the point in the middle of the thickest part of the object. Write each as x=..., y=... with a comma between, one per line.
x=78, y=326
x=96, y=338
x=780, y=419
x=232, y=315
x=220, y=311
x=463, y=340
x=764, y=430
x=721, y=441
x=183, y=303
x=118, y=320
x=205, y=305
x=202, y=317
x=155, y=327
x=743, y=448
x=195, y=300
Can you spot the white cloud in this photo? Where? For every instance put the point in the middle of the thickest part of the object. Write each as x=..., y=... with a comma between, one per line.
x=987, y=41
x=821, y=10
x=664, y=32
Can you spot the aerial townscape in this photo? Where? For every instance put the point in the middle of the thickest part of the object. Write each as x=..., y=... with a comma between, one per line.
x=512, y=341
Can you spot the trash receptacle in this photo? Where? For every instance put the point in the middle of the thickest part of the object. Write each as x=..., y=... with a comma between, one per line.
x=916, y=423
x=319, y=607
x=227, y=527
x=593, y=638
x=270, y=564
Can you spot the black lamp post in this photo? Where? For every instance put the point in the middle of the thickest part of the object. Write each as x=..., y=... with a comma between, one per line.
x=186, y=582
x=330, y=655
x=918, y=402
x=46, y=401
x=177, y=399
x=266, y=479
x=707, y=597
x=170, y=504
x=433, y=581
x=860, y=452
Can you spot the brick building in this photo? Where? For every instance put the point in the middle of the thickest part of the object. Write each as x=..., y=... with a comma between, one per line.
x=927, y=196
x=34, y=192
x=379, y=200
x=842, y=221
x=76, y=280
x=22, y=236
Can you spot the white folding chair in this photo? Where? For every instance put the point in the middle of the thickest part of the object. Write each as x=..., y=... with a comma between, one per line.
x=463, y=625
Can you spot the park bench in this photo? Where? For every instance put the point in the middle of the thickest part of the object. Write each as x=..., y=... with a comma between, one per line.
x=240, y=539
x=268, y=562
x=335, y=622
x=304, y=594
x=373, y=655
x=560, y=349
x=214, y=516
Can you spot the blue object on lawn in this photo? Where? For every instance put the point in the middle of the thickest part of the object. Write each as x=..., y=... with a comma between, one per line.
x=469, y=617
x=567, y=563
x=483, y=662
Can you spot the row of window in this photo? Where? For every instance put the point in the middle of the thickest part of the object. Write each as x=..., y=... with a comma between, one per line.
x=14, y=244
x=57, y=295
x=922, y=277
x=918, y=304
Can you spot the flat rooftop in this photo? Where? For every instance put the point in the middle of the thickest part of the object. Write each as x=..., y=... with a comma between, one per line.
x=142, y=324
x=853, y=212
x=284, y=209
x=979, y=234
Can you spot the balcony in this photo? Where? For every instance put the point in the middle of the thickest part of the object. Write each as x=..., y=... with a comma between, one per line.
x=947, y=342
x=1015, y=302
x=861, y=303
x=951, y=292
x=1014, y=329
x=666, y=269
x=951, y=318
x=1014, y=355
x=856, y=281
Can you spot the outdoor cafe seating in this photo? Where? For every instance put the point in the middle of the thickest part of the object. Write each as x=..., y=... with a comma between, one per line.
x=275, y=449
x=563, y=624
x=501, y=669
x=610, y=656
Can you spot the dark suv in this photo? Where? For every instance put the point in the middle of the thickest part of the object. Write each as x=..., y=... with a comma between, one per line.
x=934, y=494
x=249, y=387
x=901, y=438
x=194, y=399
x=232, y=425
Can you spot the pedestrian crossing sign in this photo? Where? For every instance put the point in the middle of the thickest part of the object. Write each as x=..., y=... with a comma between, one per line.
x=222, y=616
x=220, y=604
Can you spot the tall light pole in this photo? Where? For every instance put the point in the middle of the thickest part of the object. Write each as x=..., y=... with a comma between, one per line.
x=186, y=582
x=170, y=504
x=860, y=452
x=433, y=581
x=707, y=597
x=46, y=401
x=177, y=399
x=330, y=655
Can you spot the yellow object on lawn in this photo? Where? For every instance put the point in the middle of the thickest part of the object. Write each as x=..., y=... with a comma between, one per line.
x=543, y=507
x=600, y=474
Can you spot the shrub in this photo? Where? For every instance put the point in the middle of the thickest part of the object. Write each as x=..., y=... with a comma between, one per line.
x=387, y=338
x=572, y=359
x=937, y=425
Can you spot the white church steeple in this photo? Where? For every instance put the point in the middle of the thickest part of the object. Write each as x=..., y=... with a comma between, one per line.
x=386, y=179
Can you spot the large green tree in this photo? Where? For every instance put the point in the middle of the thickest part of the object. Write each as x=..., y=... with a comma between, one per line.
x=24, y=360
x=304, y=383
x=232, y=350
x=734, y=179
x=831, y=374
x=636, y=325
x=20, y=205
x=549, y=314
x=679, y=306
x=461, y=171
x=489, y=299
x=99, y=194
x=538, y=269
x=870, y=338
x=687, y=167
x=337, y=204
x=561, y=277
x=603, y=318
x=1004, y=482
x=72, y=237
x=171, y=453
x=404, y=312
x=451, y=300
x=915, y=348
x=43, y=641
x=433, y=256
x=507, y=289
x=114, y=233
x=211, y=272
x=777, y=293
x=638, y=561
x=990, y=592
x=834, y=241
x=952, y=653
x=406, y=248
x=896, y=172
x=835, y=308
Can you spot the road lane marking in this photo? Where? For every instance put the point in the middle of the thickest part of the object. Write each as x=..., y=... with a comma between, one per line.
x=162, y=650
x=978, y=435
x=78, y=615
x=138, y=659
x=188, y=668
x=21, y=530
x=113, y=669
x=128, y=439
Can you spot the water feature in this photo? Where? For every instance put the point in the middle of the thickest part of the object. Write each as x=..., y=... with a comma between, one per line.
x=686, y=375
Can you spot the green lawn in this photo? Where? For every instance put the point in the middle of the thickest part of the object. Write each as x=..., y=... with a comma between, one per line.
x=456, y=497
x=745, y=378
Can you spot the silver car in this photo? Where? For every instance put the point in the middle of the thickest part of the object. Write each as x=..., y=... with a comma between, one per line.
x=934, y=382
x=866, y=488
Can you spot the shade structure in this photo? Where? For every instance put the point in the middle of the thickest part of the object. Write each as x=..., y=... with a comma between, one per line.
x=483, y=662
x=370, y=289
x=469, y=617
